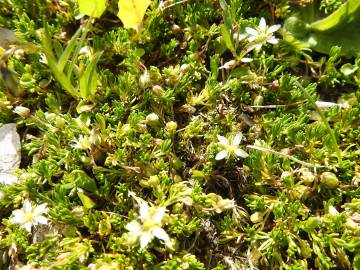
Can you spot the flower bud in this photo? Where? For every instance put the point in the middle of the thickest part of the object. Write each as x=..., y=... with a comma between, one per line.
x=22, y=111
x=308, y=177
x=229, y=65
x=157, y=89
x=224, y=204
x=85, y=51
x=171, y=126
x=144, y=79
x=257, y=217
x=329, y=180
x=333, y=211
x=59, y=122
x=85, y=160
x=259, y=100
x=95, y=137
x=154, y=180
x=184, y=68
x=152, y=119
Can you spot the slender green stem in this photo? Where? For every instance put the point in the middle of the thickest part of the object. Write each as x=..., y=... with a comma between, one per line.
x=324, y=120
x=270, y=151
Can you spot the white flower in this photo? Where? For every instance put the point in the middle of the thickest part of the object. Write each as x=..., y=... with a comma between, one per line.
x=233, y=63
x=230, y=148
x=150, y=225
x=83, y=142
x=263, y=34
x=29, y=215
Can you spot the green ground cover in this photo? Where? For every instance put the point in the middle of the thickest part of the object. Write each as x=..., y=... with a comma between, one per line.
x=208, y=137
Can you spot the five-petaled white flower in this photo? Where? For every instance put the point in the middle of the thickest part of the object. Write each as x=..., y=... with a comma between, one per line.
x=230, y=148
x=152, y=218
x=30, y=215
x=262, y=34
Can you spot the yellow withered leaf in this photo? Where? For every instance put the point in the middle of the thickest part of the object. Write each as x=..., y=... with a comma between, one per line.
x=131, y=12
x=93, y=8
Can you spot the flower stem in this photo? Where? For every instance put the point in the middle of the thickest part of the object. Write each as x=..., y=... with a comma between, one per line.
x=325, y=122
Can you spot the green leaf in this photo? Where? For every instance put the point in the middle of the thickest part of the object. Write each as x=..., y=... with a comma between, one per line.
x=348, y=69
x=131, y=12
x=347, y=13
x=52, y=63
x=88, y=79
x=338, y=29
x=65, y=56
x=79, y=178
x=223, y=4
x=227, y=38
x=357, y=262
x=87, y=202
x=93, y=8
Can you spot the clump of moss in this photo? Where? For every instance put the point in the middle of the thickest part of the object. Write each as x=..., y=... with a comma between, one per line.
x=200, y=141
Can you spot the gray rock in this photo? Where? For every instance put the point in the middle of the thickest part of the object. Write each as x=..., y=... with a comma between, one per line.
x=10, y=153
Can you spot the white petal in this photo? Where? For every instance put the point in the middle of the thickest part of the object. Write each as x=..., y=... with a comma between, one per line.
x=145, y=238
x=133, y=227
x=27, y=206
x=229, y=64
x=242, y=36
x=252, y=39
x=161, y=234
x=258, y=47
x=18, y=216
x=273, y=28
x=262, y=24
x=237, y=139
x=144, y=211
x=222, y=140
x=246, y=60
x=41, y=219
x=221, y=155
x=272, y=40
x=251, y=31
x=241, y=153
x=27, y=226
x=325, y=104
x=41, y=209
x=159, y=215
x=333, y=211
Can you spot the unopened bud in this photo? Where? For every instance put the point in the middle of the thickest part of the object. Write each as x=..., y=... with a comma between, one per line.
x=257, y=217
x=259, y=100
x=59, y=122
x=85, y=51
x=171, y=126
x=329, y=180
x=308, y=177
x=144, y=79
x=22, y=111
x=157, y=89
x=152, y=119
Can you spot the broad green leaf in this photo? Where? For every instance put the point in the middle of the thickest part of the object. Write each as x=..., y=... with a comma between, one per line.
x=346, y=14
x=65, y=56
x=340, y=28
x=79, y=178
x=93, y=8
x=89, y=78
x=58, y=74
x=87, y=202
x=131, y=12
x=227, y=37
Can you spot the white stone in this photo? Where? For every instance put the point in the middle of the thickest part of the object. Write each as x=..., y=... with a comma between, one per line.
x=10, y=153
